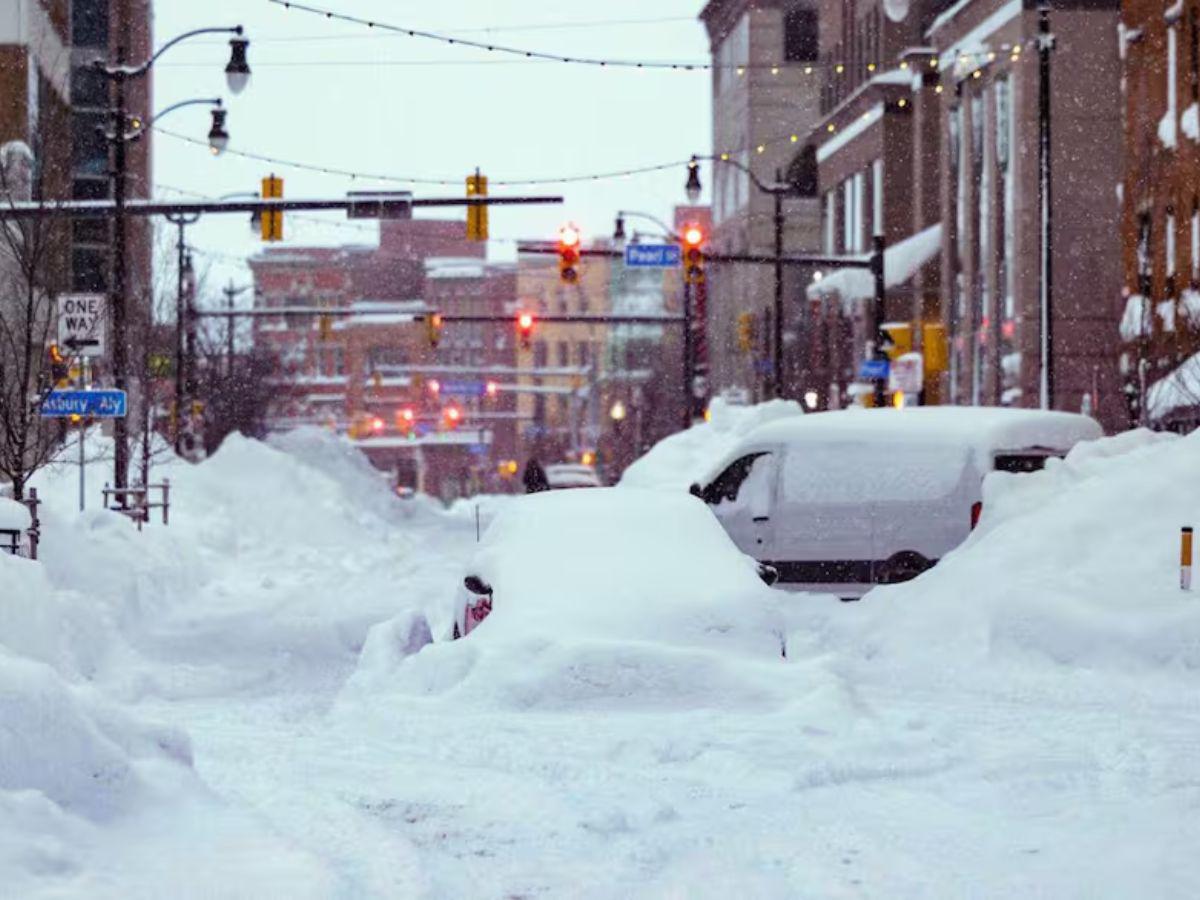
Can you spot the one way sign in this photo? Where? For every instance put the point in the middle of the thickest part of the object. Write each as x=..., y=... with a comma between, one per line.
x=81, y=324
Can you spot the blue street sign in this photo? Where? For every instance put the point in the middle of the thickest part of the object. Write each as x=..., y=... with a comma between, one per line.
x=96, y=404
x=874, y=369
x=763, y=366
x=463, y=388
x=652, y=256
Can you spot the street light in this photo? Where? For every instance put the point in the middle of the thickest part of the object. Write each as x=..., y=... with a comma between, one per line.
x=218, y=137
x=778, y=191
x=119, y=73
x=237, y=73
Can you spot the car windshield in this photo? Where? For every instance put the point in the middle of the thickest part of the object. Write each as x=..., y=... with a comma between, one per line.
x=674, y=449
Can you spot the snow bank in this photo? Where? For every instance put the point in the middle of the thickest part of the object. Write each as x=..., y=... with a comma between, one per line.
x=675, y=462
x=1076, y=567
x=602, y=597
x=13, y=515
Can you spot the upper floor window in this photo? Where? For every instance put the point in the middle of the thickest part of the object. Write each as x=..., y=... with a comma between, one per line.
x=801, y=39
x=89, y=23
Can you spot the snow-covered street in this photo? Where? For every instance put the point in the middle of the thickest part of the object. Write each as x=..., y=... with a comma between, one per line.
x=972, y=733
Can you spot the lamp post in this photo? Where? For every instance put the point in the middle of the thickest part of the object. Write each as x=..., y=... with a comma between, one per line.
x=778, y=191
x=619, y=236
x=119, y=73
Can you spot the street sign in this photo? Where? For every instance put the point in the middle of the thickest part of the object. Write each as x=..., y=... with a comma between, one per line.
x=874, y=369
x=463, y=388
x=652, y=256
x=94, y=404
x=908, y=374
x=81, y=324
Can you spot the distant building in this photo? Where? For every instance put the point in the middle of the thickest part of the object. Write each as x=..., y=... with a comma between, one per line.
x=1160, y=220
x=362, y=374
x=766, y=86
x=559, y=398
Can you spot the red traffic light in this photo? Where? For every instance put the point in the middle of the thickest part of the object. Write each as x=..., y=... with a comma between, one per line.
x=693, y=256
x=377, y=425
x=405, y=418
x=525, y=323
x=693, y=235
x=569, y=236
x=492, y=388
x=452, y=416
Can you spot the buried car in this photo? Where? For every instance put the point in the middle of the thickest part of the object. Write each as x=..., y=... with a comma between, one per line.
x=618, y=564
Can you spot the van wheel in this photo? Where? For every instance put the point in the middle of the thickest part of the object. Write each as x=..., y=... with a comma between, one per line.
x=903, y=566
x=457, y=634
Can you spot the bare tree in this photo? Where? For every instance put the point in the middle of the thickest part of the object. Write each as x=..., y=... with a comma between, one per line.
x=31, y=253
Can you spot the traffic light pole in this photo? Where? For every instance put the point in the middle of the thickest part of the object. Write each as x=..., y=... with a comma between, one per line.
x=777, y=323
x=689, y=362
x=181, y=317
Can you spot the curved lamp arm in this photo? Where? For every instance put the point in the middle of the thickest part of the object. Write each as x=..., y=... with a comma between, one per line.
x=730, y=161
x=139, y=71
x=631, y=214
x=140, y=126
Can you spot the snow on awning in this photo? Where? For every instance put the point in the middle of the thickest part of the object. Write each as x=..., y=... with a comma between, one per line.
x=1179, y=390
x=900, y=264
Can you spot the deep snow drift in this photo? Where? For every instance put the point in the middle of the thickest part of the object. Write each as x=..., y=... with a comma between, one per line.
x=247, y=704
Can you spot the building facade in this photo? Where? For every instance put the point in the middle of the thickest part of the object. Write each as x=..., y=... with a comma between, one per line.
x=992, y=240
x=765, y=99
x=1160, y=220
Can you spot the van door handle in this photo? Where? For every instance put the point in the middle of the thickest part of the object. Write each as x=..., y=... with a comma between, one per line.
x=761, y=519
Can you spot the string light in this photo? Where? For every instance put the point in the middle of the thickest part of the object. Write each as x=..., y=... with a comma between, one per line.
x=534, y=55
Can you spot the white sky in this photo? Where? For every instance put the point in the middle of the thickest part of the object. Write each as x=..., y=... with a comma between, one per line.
x=333, y=94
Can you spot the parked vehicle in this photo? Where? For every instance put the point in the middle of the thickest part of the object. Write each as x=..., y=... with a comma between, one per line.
x=617, y=564
x=571, y=475
x=841, y=501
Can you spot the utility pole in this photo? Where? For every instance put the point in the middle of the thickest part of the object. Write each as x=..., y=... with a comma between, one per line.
x=777, y=321
x=879, y=312
x=1045, y=48
x=688, y=362
x=117, y=288
x=182, y=321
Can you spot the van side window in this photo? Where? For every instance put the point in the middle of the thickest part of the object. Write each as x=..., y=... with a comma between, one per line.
x=1022, y=462
x=726, y=487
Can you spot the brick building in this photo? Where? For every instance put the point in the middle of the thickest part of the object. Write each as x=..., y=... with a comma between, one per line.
x=1160, y=219
x=765, y=98
x=991, y=277
x=360, y=373
x=561, y=405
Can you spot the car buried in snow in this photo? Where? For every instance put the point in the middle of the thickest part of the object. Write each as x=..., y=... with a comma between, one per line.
x=838, y=502
x=617, y=564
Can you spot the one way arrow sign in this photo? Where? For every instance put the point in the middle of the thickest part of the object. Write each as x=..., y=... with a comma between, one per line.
x=81, y=323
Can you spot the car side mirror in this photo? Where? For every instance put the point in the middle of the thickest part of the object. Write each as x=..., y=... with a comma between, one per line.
x=696, y=491
x=477, y=585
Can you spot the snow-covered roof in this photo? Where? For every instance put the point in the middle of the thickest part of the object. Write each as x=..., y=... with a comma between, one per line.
x=900, y=264
x=986, y=428
x=455, y=267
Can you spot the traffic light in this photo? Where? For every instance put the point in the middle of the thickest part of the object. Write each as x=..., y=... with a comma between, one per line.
x=746, y=332
x=525, y=323
x=451, y=417
x=568, y=254
x=377, y=425
x=477, y=216
x=405, y=419
x=60, y=368
x=272, y=219
x=693, y=256
x=433, y=326
x=492, y=388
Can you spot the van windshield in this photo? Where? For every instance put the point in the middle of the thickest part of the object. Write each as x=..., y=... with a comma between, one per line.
x=847, y=473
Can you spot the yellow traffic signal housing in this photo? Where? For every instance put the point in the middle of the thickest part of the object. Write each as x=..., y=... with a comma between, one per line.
x=693, y=255
x=272, y=219
x=477, y=215
x=746, y=332
x=901, y=335
x=325, y=327
x=937, y=353
x=433, y=326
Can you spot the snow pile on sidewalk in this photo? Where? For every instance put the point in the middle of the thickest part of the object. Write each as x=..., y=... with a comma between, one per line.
x=675, y=462
x=1076, y=566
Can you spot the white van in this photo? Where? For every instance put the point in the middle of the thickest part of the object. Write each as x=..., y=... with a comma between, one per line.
x=840, y=501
